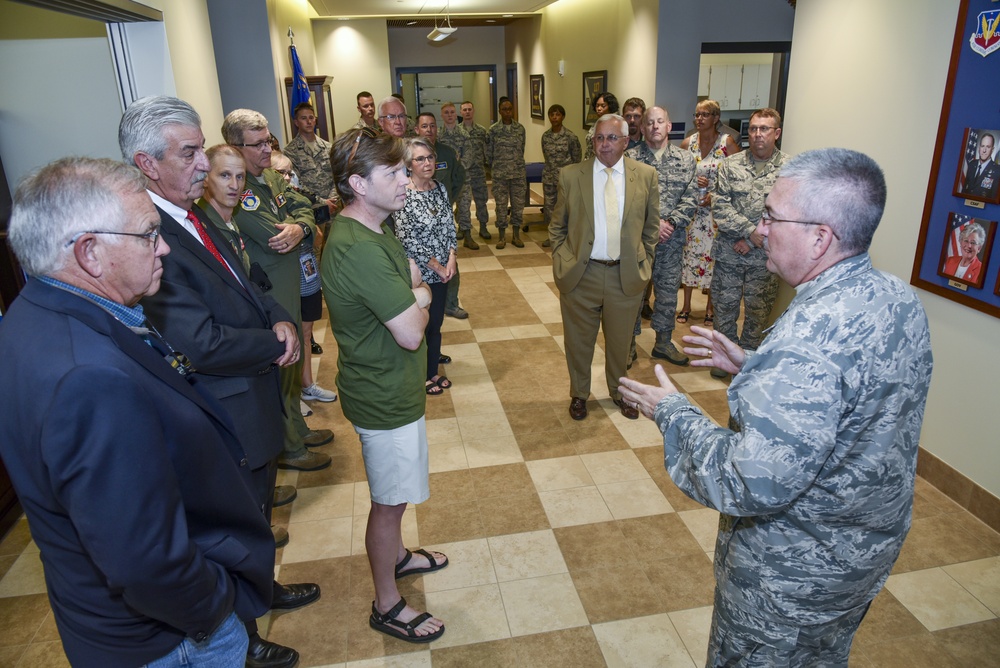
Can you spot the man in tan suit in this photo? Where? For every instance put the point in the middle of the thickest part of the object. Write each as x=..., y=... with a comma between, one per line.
x=603, y=236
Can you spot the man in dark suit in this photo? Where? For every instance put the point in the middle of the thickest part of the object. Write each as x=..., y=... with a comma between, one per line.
x=982, y=174
x=133, y=479
x=603, y=234
x=235, y=335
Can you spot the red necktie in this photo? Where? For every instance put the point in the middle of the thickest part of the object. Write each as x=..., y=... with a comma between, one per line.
x=209, y=244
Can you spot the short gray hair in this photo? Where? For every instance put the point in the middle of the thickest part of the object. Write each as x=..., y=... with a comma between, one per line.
x=64, y=198
x=240, y=121
x=976, y=229
x=622, y=123
x=142, y=125
x=841, y=188
x=386, y=100
x=412, y=143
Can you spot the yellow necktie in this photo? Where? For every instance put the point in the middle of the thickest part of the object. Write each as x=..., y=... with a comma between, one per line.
x=611, y=213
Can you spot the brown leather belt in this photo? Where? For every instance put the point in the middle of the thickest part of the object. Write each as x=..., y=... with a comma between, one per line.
x=606, y=263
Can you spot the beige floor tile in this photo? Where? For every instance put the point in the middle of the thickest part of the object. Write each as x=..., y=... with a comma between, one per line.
x=703, y=525
x=25, y=576
x=529, y=331
x=495, y=451
x=981, y=578
x=936, y=599
x=641, y=642
x=484, y=426
x=570, y=507
x=471, y=615
x=362, y=498
x=464, y=368
x=470, y=564
x=493, y=334
x=484, y=264
x=454, y=325
x=639, y=433
x=467, y=405
x=526, y=555
x=444, y=430
x=551, y=315
x=635, y=498
x=475, y=384
x=617, y=466
x=323, y=503
x=319, y=539
x=462, y=351
x=448, y=456
x=559, y=473
x=694, y=626
x=546, y=603
x=410, y=660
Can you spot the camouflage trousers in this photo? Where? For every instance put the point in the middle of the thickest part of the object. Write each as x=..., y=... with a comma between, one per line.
x=514, y=192
x=740, y=639
x=474, y=188
x=667, y=264
x=755, y=286
x=551, y=193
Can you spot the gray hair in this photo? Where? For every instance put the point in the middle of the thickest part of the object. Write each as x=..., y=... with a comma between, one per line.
x=63, y=199
x=622, y=123
x=413, y=142
x=386, y=100
x=973, y=228
x=841, y=188
x=142, y=125
x=240, y=121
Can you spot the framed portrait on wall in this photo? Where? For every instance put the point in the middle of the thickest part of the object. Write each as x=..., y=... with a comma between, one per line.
x=594, y=83
x=537, y=83
x=965, y=252
x=978, y=176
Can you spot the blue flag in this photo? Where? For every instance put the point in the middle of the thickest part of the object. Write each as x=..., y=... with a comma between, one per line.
x=300, y=89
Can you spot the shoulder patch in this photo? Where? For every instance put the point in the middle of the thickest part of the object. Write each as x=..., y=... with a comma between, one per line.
x=249, y=201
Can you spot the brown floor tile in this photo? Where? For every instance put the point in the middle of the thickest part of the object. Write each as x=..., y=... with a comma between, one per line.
x=44, y=655
x=923, y=651
x=659, y=537
x=973, y=644
x=616, y=591
x=363, y=642
x=342, y=469
x=936, y=497
x=887, y=619
x=439, y=408
x=21, y=617
x=525, y=260
x=938, y=541
x=9, y=656
x=590, y=545
x=6, y=563
x=456, y=337
x=493, y=654
x=682, y=582
x=449, y=523
x=555, y=328
x=595, y=434
x=568, y=648
x=545, y=445
x=16, y=539
x=451, y=487
x=715, y=404
x=519, y=513
x=48, y=630
x=976, y=527
x=504, y=480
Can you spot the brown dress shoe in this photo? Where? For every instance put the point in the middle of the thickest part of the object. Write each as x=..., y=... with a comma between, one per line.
x=577, y=408
x=628, y=411
x=284, y=494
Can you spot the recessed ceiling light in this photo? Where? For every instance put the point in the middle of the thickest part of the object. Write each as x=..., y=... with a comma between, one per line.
x=343, y=18
x=491, y=20
x=411, y=23
x=508, y=16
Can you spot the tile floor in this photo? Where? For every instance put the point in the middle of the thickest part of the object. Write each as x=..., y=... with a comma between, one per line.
x=569, y=545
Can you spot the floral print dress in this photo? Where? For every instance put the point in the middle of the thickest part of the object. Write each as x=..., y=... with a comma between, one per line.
x=426, y=228
x=698, y=263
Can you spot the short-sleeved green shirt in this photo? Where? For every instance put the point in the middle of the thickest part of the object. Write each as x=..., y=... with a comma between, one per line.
x=366, y=282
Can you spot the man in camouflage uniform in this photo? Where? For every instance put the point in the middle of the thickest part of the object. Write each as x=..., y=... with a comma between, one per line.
x=740, y=274
x=455, y=136
x=633, y=111
x=675, y=171
x=505, y=155
x=273, y=219
x=366, y=107
x=310, y=154
x=560, y=147
x=474, y=159
x=816, y=490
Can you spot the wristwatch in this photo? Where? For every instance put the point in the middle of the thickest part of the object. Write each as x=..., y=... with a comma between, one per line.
x=305, y=230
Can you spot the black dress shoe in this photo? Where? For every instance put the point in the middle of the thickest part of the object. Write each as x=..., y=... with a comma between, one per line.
x=316, y=348
x=577, y=408
x=290, y=597
x=264, y=654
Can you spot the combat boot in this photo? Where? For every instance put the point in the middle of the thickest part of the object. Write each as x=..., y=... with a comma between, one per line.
x=484, y=233
x=468, y=241
x=501, y=233
x=516, y=238
x=665, y=350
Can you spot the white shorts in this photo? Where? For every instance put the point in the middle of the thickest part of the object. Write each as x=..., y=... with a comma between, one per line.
x=396, y=463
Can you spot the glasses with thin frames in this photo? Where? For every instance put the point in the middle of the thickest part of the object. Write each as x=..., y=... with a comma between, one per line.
x=393, y=117
x=603, y=138
x=258, y=146
x=153, y=236
x=365, y=132
x=767, y=219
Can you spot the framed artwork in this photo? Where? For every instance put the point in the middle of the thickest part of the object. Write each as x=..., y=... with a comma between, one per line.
x=965, y=252
x=966, y=199
x=594, y=83
x=537, y=83
x=978, y=176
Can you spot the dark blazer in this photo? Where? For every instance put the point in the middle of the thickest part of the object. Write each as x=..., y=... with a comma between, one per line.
x=134, y=483
x=224, y=327
x=572, y=227
x=982, y=185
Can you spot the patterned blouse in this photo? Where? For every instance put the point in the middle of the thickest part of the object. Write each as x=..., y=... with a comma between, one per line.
x=426, y=228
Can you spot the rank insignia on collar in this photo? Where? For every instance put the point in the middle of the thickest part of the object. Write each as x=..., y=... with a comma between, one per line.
x=249, y=201
x=280, y=199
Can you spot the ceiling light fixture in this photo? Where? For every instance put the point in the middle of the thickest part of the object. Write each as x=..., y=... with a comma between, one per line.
x=441, y=32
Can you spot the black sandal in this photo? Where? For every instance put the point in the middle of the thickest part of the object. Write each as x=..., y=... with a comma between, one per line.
x=389, y=625
x=443, y=382
x=434, y=565
x=431, y=388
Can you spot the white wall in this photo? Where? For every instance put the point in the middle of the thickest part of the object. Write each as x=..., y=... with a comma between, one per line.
x=356, y=55
x=896, y=52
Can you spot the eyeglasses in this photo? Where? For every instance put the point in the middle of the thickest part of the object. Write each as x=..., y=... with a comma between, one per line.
x=393, y=117
x=153, y=236
x=422, y=158
x=760, y=129
x=767, y=219
x=259, y=146
x=364, y=132
x=703, y=114
x=603, y=138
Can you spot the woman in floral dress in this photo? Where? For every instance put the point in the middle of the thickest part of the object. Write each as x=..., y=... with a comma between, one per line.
x=710, y=147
